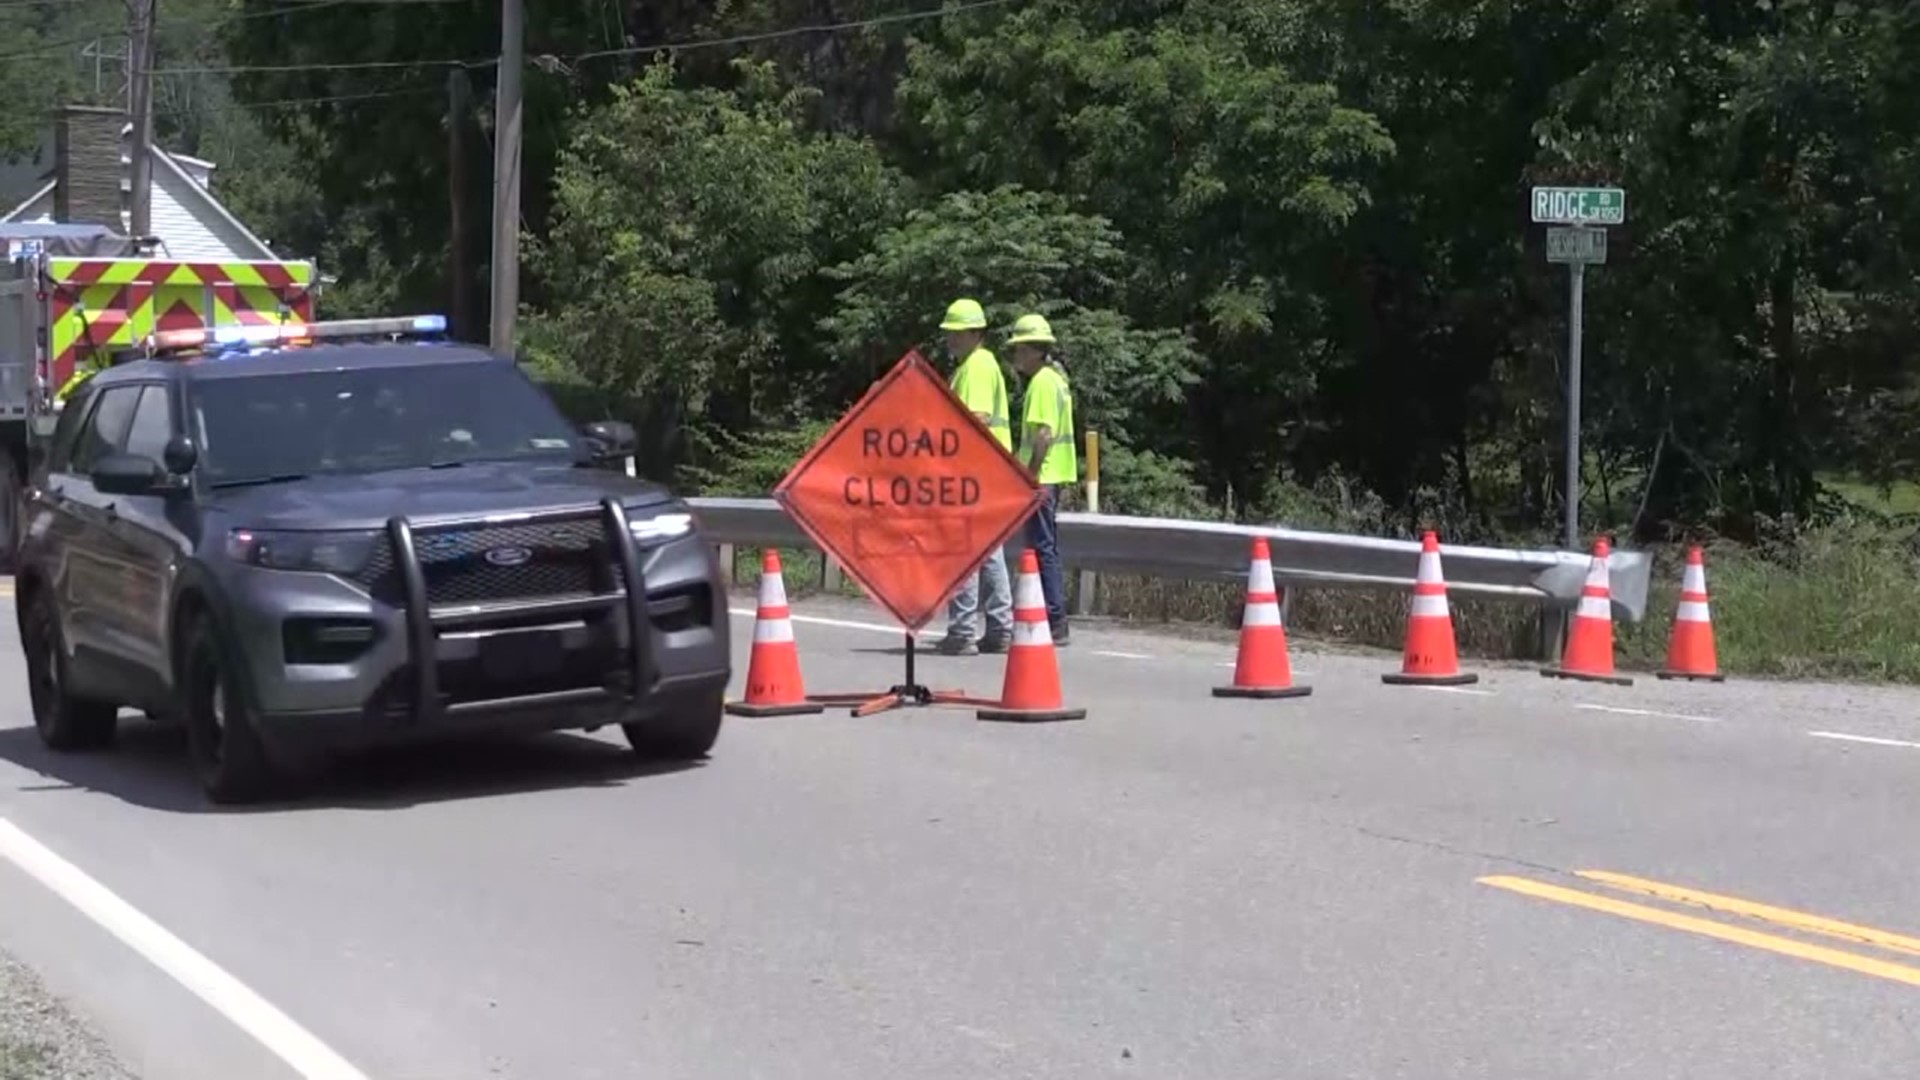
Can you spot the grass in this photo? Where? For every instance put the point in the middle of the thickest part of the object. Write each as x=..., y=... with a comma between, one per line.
x=25, y=1060
x=1840, y=602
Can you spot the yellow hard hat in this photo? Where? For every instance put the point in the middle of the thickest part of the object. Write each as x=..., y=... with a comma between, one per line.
x=964, y=314
x=1031, y=329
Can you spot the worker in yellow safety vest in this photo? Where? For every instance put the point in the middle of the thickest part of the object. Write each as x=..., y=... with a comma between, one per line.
x=982, y=387
x=1047, y=446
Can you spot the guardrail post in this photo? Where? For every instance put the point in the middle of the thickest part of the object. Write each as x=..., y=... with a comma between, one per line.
x=1089, y=581
x=829, y=574
x=1552, y=632
x=727, y=567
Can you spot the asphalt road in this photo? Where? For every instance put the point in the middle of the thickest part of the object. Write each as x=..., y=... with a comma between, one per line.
x=1370, y=882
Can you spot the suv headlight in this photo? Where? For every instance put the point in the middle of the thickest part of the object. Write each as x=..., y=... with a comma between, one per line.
x=660, y=528
x=343, y=553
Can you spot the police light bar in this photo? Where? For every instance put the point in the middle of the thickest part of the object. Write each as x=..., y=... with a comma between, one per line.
x=230, y=337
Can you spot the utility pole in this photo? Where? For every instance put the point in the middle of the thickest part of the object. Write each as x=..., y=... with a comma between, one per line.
x=506, y=175
x=140, y=105
x=459, y=257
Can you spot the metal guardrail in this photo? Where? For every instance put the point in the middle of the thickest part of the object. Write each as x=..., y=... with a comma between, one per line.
x=1204, y=550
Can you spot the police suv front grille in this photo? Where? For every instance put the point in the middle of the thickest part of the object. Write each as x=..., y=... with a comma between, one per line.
x=468, y=564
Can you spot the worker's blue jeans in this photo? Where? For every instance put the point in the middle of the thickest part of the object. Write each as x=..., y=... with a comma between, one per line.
x=999, y=601
x=1043, y=535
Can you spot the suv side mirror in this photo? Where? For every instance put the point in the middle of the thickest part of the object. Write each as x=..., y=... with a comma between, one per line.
x=180, y=456
x=611, y=438
x=128, y=474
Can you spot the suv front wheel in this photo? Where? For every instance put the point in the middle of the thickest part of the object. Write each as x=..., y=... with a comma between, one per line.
x=64, y=721
x=682, y=735
x=227, y=756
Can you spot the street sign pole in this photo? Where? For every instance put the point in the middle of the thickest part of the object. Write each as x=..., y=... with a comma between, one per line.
x=1576, y=306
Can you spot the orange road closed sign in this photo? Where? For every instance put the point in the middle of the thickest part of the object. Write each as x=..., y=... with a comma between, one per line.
x=909, y=491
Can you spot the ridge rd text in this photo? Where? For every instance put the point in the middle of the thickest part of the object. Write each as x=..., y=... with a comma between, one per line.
x=910, y=445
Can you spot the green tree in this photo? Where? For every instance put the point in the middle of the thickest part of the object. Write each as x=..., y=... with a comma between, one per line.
x=689, y=240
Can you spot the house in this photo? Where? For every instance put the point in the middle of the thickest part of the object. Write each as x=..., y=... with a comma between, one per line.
x=89, y=181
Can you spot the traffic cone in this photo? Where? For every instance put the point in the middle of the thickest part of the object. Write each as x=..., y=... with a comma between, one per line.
x=774, y=685
x=1031, y=692
x=1690, y=652
x=1589, y=652
x=1430, y=658
x=1262, y=669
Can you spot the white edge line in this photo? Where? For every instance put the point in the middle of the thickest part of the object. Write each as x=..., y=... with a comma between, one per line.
x=1461, y=690
x=1646, y=712
x=1118, y=655
x=1844, y=737
x=228, y=996
x=844, y=624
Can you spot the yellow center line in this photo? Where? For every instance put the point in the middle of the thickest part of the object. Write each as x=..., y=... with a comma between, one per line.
x=1707, y=928
x=1733, y=905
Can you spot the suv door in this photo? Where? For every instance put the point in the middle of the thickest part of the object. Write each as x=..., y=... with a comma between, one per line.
x=148, y=542
x=88, y=556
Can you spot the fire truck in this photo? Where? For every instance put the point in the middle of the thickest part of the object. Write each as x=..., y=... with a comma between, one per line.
x=72, y=295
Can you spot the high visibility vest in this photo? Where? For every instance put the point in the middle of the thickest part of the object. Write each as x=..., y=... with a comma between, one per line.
x=81, y=373
x=1049, y=404
x=982, y=387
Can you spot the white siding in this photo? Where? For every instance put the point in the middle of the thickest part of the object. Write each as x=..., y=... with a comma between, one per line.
x=190, y=228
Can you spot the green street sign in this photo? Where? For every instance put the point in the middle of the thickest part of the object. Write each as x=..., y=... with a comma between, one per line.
x=1576, y=244
x=1579, y=206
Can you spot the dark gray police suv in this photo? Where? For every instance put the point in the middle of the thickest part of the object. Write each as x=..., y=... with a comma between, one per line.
x=294, y=549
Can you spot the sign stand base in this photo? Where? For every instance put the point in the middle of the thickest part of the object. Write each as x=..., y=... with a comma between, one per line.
x=909, y=694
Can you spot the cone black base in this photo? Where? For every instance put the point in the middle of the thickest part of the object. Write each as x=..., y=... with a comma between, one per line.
x=801, y=708
x=1264, y=693
x=1690, y=676
x=1030, y=716
x=1585, y=676
x=1401, y=678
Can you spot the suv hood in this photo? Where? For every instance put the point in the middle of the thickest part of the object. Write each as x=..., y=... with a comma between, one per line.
x=366, y=501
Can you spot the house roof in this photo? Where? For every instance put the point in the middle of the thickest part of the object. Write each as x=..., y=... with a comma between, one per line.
x=173, y=164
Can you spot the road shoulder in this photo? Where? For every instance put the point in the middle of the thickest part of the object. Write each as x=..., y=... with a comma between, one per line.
x=40, y=1039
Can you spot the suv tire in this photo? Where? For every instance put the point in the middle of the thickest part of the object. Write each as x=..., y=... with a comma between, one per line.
x=63, y=721
x=228, y=758
x=684, y=735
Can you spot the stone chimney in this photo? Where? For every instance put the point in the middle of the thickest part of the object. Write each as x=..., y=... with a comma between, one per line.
x=86, y=166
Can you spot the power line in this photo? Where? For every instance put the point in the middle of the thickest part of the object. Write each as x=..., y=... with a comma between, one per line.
x=633, y=50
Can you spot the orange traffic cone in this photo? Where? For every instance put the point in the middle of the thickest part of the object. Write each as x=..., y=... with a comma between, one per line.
x=1031, y=692
x=774, y=685
x=1262, y=669
x=1690, y=652
x=1430, y=658
x=1589, y=652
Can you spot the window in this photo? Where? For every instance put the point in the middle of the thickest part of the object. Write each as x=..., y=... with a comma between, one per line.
x=152, y=424
x=66, y=430
x=374, y=418
x=107, y=429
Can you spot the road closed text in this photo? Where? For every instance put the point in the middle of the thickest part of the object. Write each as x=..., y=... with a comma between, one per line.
x=910, y=450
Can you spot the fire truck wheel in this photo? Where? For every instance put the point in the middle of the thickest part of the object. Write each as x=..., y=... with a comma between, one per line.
x=10, y=521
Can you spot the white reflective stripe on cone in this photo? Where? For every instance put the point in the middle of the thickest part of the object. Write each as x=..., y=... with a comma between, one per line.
x=1695, y=579
x=1597, y=574
x=1028, y=595
x=1031, y=633
x=1693, y=611
x=1260, y=578
x=773, y=590
x=1429, y=572
x=1261, y=613
x=772, y=631
x=1430, y=606
x=1595, y=607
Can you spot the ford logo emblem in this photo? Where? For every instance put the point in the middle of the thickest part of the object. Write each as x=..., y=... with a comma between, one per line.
x=509, y=556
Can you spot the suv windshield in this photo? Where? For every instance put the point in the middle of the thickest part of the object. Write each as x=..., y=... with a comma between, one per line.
x=359, y=420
